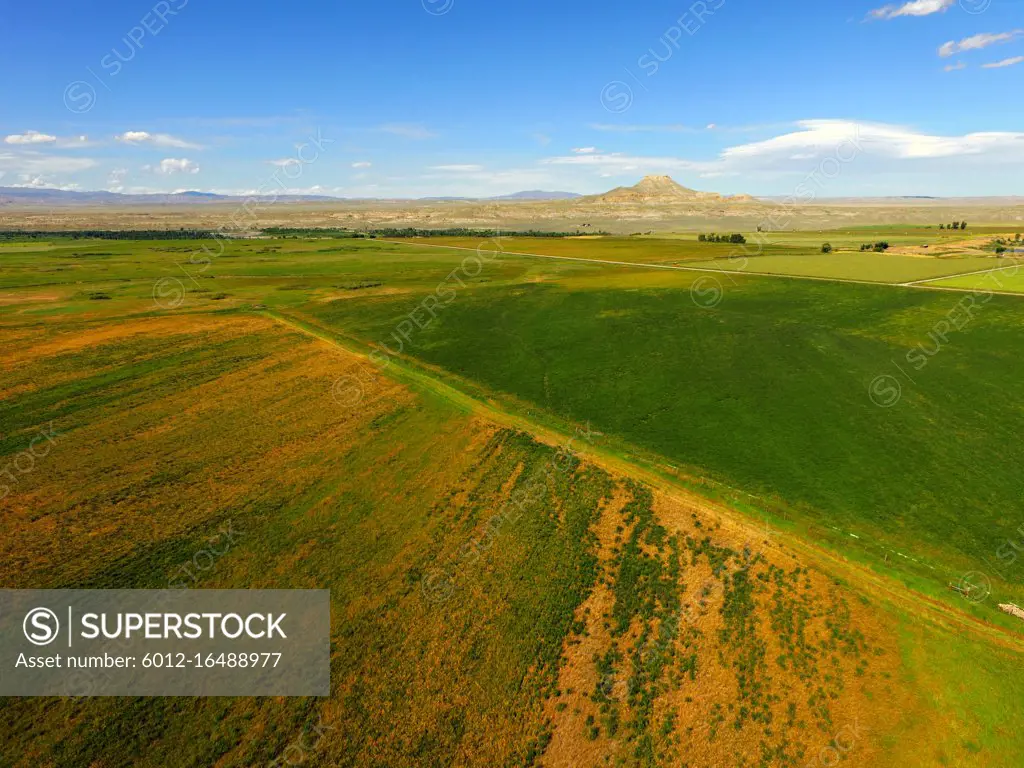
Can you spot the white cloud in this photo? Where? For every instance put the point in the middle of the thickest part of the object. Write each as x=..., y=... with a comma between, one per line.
x=457, y=168
x=284, y=162
x=28, y=181
x=115, y=181
x=585, y=150
x=914, y=8
x=618, y=163
x=857, y=147
x=955, y=67
x=155, y=139
x=1003, y=63
x=824, y=136
x=408, y=131
x=172, y=165
x=977, y=42
x=362, y=164
x=542, y=139
x=711, y=126
x=30, y=137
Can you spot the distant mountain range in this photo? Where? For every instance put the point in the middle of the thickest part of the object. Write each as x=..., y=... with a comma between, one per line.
x=651, y=190
x=33, y=196
x=538, y=194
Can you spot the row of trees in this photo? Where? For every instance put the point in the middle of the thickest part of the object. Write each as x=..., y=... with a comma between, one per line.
x=414, y=232
x=102, y=234
x=876, y=247
x=954, y=225
x=713, y=238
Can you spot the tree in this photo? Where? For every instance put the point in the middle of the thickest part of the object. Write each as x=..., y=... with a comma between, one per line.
x=826, y=248
x=942, y=226
x=963, y=225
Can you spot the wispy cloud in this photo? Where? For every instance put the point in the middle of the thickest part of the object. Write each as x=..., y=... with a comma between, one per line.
x=914, y=8
x=955, y=67
x=362, y=164
x=620, y=163
x=155, y=139
x=619, y=128
x=409, y=131
x=584, y=150
x=892, y=141
x=457, y=168
x=796, y=151
x=977, y=42
x=1003, y=63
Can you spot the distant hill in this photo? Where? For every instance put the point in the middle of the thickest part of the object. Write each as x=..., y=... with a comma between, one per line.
x=661, y=189
x=27, y=196
x=538, y=194
x=30, y=196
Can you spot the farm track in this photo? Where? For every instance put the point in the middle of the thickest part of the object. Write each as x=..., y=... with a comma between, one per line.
x=864, y=578
x=919, y=284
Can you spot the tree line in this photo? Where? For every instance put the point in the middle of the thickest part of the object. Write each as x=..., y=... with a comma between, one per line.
x=713, y=238
x=106, y=234
x=400, y=232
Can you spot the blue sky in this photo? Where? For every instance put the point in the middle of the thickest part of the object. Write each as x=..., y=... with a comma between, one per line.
x=464, y=97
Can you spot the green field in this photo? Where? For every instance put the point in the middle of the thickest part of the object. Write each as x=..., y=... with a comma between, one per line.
x=792, y=254
x=852, y=265
x=211, y=405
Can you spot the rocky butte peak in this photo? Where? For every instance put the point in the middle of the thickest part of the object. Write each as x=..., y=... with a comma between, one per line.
x=655, y=189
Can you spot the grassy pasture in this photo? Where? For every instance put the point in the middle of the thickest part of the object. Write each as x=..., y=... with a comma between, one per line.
x=784, y=253
x=1009, y=280
x=851, y=265
x=767, y=392
x=560, y=643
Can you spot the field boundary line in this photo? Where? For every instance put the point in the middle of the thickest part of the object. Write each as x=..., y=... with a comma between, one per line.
x=708, y=270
